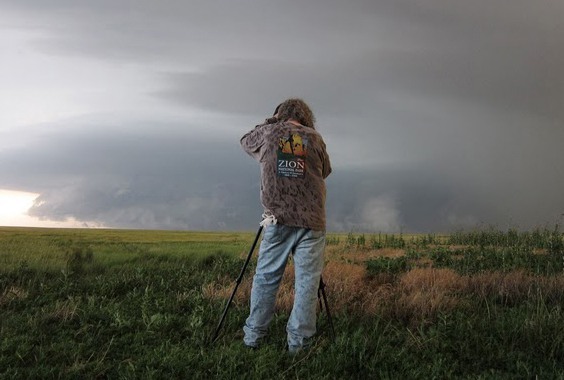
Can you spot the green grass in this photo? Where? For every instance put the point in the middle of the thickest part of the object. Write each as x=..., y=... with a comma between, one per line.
x=131, y=304
x=50, y=248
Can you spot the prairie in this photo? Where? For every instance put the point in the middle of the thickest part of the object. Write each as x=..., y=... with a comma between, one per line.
x=143, y=304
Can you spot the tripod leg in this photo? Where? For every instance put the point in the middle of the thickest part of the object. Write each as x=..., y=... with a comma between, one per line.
x=322, y=290
x=237, y=282
x=319, y=299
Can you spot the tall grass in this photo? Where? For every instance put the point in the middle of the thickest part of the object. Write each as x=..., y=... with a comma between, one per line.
x=540, y=238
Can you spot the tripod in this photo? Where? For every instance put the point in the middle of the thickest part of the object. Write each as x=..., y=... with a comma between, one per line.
x=320, y=293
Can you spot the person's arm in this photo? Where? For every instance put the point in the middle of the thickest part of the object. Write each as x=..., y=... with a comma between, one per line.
x=253, y=140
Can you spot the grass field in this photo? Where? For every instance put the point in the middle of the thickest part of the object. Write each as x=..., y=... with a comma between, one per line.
x=143, y=304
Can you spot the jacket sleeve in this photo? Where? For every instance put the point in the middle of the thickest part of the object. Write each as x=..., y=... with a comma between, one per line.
x=326, y=162
x=252, y=141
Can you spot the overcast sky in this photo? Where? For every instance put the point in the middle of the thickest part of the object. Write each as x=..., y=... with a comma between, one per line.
x=437, y=114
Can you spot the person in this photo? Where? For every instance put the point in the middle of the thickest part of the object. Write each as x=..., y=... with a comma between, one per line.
x=294, y=164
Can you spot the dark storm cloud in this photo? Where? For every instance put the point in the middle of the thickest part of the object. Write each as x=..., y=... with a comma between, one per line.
x=122, y=179
x=436, y=114
x=173, y=177
x=177, y=180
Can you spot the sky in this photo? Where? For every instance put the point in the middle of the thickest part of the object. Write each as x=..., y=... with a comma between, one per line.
x=438, y=115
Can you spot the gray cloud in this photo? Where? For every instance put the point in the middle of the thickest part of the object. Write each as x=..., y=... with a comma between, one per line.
x=195, y=32
x=345, y=59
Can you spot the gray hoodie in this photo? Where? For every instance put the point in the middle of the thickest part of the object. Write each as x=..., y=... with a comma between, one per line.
x=294, y=164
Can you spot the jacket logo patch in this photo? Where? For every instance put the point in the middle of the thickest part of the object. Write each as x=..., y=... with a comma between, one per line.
x=291, y=154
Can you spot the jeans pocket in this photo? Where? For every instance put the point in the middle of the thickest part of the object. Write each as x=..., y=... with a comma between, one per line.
x=272, y=234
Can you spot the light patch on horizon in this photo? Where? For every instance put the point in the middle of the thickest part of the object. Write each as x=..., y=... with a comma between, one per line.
x=14, y=207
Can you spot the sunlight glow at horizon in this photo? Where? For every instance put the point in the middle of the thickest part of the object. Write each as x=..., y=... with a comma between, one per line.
x=14, y=206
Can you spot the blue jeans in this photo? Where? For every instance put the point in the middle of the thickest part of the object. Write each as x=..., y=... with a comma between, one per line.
x=277, y=243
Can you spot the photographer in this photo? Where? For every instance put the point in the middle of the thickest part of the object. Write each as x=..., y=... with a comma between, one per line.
x=294, y=164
